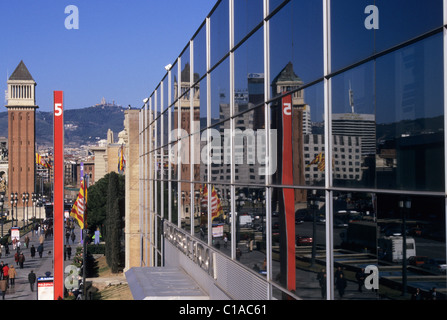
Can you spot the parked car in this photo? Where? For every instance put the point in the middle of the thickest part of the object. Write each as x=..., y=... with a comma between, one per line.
x=437, y=266
x=303, y=240
x=417, y=260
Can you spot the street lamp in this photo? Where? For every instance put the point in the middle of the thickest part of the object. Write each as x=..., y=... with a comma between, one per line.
x=314, y=207
x=26, y=201
x=34, y=199
x=404, y=206
x=23, y=205
x=2, y=202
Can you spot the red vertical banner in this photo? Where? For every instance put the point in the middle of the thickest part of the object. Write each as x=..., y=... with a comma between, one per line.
x=288, y=194
x=58, y=195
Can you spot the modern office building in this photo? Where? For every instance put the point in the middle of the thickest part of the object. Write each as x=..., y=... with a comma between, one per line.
x=346, y=103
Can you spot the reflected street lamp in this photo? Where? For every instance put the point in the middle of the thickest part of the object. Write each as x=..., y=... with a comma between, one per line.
x=404, y=206
x=314, y=207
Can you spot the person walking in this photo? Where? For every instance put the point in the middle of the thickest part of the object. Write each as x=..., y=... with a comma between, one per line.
x=69, y=252
x=21, y=260
x=12, y=273
x=16, y=257
x=6, y=273
x=341, y=284
x=360, y=276
x=40, y=250
x=73, y=237
x=32, y=251
x=321, y=277
x=6, y=249
x=32, y=279
x=26, y=241
x=1, y=269
x=3, y=287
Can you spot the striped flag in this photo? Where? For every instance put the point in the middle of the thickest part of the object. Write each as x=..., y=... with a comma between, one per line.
x=121, y=160
x=318, y=160
x=40, y=161
x=216, y=207
x=78, y=209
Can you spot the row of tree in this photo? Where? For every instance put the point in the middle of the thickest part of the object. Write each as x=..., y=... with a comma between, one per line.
x=105, y=210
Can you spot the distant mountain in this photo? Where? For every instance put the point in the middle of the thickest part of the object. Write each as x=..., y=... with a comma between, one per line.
x=82, y=126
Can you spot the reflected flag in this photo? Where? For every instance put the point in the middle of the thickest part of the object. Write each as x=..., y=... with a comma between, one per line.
x=318, y=160
x=121, y=160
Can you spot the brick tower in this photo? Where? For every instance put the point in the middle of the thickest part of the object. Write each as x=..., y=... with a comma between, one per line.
x=21, y=132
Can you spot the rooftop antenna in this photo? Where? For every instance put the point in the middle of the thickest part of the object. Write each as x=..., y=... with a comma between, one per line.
x=351, y=97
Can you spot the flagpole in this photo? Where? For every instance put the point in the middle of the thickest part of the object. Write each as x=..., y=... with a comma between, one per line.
x=84, y=255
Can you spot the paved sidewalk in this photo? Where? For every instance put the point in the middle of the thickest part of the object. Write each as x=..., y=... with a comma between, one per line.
x=22, y=290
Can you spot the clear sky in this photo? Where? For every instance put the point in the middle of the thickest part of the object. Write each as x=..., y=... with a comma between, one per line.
x=118, y=52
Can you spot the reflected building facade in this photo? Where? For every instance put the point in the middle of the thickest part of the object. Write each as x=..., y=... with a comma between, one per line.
x=313, y=157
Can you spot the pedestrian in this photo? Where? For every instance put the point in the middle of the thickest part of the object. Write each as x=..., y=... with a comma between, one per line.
x=26, y=241
x=417, y=295
x=434, y=294
x=12, y=273
x=21, y=260
x=341, y=285
x=1, y=270
x=6, y=273
x=65, y=252
x=32, y=279
x=69, y=252
x=14, y=243
x=6, y=249
x=1, y=250
x=40, y=250
x=321, y=277
x=3, y=287
x=41, y=238
x=73, y=237
x=337, y=273
x=67, y=236
x=16, y=257
x=32, y=251
x=225, y=241
x=360, y=276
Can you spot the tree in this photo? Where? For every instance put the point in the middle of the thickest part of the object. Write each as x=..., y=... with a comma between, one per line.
x=114, y=223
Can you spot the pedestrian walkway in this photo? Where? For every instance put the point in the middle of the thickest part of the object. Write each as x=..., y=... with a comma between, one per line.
x=21, y=290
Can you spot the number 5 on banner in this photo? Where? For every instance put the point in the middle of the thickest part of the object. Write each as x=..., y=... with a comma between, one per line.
x=57, y=109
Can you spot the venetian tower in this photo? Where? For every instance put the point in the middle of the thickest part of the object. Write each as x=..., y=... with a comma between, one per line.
x=21, y=132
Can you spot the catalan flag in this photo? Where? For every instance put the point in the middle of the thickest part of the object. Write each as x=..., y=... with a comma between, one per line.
x=78, y=209
x=318, y=160
x=216, y=207
x=40, y=161
x=121, y=160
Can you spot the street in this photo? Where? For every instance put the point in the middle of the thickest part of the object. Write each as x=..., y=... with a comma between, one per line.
x=21, y=290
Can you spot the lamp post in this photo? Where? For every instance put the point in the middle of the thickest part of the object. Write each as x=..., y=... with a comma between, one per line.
x=11, y=199
x=34, y=199
x=2, y=202
x=23, y=204
x=314, y=206
x=405, y=206
x=26, y=202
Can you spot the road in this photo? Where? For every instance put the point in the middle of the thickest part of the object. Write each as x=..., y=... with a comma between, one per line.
x=22, y=290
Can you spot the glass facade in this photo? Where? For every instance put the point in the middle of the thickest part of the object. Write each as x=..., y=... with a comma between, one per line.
x=303, y=142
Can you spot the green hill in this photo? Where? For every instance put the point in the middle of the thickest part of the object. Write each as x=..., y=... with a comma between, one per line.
x=82, y=126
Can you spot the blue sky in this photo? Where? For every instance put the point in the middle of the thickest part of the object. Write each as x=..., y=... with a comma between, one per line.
x=118, y=52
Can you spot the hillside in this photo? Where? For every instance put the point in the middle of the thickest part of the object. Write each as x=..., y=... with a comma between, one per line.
x=82, y=126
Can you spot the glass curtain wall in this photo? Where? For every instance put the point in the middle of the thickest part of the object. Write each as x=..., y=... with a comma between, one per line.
x=304, y=140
